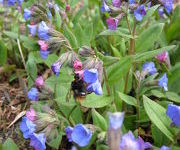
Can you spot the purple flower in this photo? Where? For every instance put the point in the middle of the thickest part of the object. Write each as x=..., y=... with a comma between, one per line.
x=20, y=1
x=163, y=81
x=132, y=1
x=116, y=120
x=161, y=11
x=49, y=15
x=90, y=76
x=33, y=94
x=140, y=12
x=32, y=29
x=129, y=142
x=173, y=112
x=39, y=81
x=149, y=67
x=144, y=145
x=1, y=1
x=38, y=141
x=11, y=2
x=27, y=14
x=55, y=67
x=69, y=131
x=105, y=7
x=79, y=135
x=43, y=30
x=149, y=5
x=44, y=54
x=165, y=148
x=31, y=114
x=163, y=56
x=168, y=4
x=27, y=127
x=116, y=3
x=95, y=87
x=112, y=23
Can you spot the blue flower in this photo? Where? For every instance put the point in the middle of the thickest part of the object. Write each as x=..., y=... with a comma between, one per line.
x=129, y=142
x=56, y=7
x=168, y=4
x=132, y=1
x=163, y=81
x=161, y=11
x=116, y=3
x=149, y=67
x=11, y=2
x=112, y=23
x=140, y=12
x=80, y=135
x=165, y=148
x=55, y=67
x=32, y=29
x=49, y=15
x=27, y=14
x=69, y=131
x=38, y=141
x=33, y=94
x=27, y=127
x=144, y=145
x=44, y=54
x=95, y=87
x=43, y=30
x=173, y=112
x=105, y=7
x=116, y=120
x=1, y=1
x=90, y=76
x=20, y=1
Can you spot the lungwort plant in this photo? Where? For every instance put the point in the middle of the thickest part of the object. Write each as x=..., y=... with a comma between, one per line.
x=101, y=74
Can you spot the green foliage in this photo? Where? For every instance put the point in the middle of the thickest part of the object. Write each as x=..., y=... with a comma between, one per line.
x=9, y=145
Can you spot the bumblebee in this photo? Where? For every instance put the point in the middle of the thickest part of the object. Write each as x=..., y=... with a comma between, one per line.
x=78, y=86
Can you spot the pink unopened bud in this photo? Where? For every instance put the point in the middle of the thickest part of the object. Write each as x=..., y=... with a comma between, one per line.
x=68, y=7
x=80, y=73
x=43, y=45
x=39, y=81
x=162, y=57
x=31, y=114
x=77, y=65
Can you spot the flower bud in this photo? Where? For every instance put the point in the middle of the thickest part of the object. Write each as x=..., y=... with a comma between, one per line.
x=77, y=65
x=31, y=114
x=68, y=7
x=86, y=51
x=43, y=45
x=39, y=82
x=112, y=23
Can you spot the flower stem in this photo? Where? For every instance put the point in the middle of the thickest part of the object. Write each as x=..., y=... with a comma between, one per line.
x=106, y=82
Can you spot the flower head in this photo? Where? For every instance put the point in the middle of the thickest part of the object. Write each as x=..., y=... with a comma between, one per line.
x=43, y=30
x=20, y=1
x=39, y=82
x=77, y=65
x=27, y=14
x=55, y=67
x=132, y=1
x=1, y=1
x=165, y=148
x=31, y=114
x=116, y=120
x=162, y=57
x=32, y=29
x=27, y=127
x=43, y=45
x=44, y=54
x=129, y=142
x=105, y=7
x=69, y=131
x=79, y=135
x=173, y=112
x=49, y=14
x=112, y=23
x=163, y=81
x=144, y=145
x=161, y=11
x=11, y=2
x=38, y=141
x=33, y=94
x=140, y=12
x=149, y=67
x=95, y=87
x=168, y=4
x=90, y=76
x=116, y=3
x=68, y=7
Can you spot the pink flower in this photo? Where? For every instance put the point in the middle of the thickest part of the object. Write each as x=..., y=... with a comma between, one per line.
x=80, y=73
x=162, y=57
x=39, y=81
x=77, y=65
x=31, y=114
x=43, y=45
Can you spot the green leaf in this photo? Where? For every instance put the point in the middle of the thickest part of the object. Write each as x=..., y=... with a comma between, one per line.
x=119, y=69
x=150, y=54
x=147, y=38
x=157, y=115
x=9, y=145
x=58, y=20
x=128, y=99
x=173, y=97
x=119, y=32
x=78, y=15
x=3, y=53
x=96, y=101
x=56, y=142
x=157, y=93
x=99, y=120
x=150, y=12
